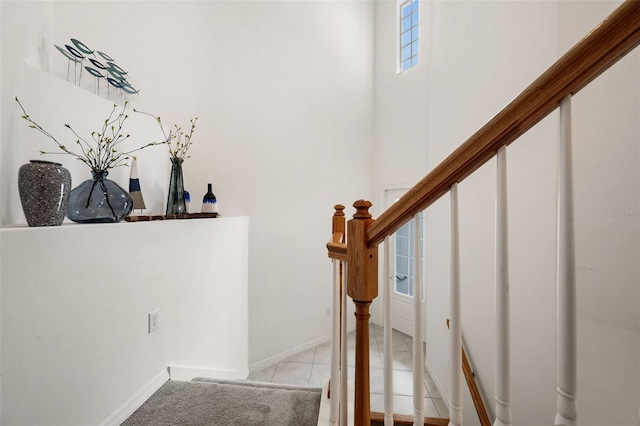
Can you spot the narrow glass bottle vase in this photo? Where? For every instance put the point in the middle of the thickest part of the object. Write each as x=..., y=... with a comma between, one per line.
x=175, y=199
x=209, y=201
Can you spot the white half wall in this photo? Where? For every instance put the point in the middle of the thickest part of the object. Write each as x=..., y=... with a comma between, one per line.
x=75, y=305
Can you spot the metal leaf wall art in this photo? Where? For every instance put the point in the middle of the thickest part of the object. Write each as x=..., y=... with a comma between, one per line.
x=101, y=67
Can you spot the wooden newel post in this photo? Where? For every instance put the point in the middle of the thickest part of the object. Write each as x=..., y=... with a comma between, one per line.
x=338, y=223
x=362, y=287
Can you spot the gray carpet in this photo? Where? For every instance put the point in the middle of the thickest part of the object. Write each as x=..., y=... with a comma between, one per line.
x=228, y=403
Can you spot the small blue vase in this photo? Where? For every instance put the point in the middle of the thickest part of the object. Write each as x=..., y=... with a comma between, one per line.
x=99, y=200
x=209, y=201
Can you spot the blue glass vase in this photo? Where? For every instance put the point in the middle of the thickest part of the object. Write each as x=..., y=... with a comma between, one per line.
x=99, y=200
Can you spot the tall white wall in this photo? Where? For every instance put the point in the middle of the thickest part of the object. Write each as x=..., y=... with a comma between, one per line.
x=479, y=56
x=283, y=92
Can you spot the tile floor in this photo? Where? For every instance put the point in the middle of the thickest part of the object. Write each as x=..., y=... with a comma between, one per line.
x=313, y=368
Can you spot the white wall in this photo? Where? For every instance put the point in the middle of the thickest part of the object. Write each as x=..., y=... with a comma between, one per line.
x=283, y=92
x=75, y=343
x=479, y=56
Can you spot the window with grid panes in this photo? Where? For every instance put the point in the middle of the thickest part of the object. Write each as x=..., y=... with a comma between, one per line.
x=408, y=48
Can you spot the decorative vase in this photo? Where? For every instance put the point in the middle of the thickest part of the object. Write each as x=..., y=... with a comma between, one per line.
x=44, y=188
x=209, y=202
x=187, y=201
x=99, y=200
x=175, y=199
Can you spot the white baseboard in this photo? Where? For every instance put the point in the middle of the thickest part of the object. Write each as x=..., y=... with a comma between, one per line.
x=188, y=373
x=132, y=404
x=284, y=355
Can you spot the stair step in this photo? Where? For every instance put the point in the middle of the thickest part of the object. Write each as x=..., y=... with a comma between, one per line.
x=377, y=419
x=263, y=385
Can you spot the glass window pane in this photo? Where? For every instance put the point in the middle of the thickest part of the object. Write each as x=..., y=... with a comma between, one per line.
x=406, y=64
x=406, y=38
x=414, y=20
x=402, y=246
x=402, y=287
x=406, y=23
x=414, y=5
x=414, y=33
x=402, y=266
x=404, y=231
x=406, y=53
x=414, y=48
x=406, y=9
x=414, y=61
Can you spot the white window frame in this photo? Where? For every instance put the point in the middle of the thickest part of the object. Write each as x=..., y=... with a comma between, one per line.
x=399, y=5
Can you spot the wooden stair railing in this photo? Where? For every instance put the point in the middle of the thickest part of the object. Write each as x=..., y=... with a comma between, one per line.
x=611, y=40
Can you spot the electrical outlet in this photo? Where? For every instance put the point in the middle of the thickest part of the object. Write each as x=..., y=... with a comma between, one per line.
x=154, y=320
x=328, y=312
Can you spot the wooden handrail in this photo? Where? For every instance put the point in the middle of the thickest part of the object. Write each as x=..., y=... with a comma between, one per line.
x=617, y=35
x=337, y=251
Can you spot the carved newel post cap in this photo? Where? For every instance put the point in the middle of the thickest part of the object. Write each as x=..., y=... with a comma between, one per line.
x=362, y=209
x=339, y=210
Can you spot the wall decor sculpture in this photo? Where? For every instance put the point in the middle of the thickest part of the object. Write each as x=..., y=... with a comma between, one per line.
x=101, y=67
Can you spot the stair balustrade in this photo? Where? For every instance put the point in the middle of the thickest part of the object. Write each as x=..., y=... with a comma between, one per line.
x=615, y=37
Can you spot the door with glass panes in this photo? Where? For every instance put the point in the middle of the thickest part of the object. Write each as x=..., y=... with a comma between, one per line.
x=401, y=250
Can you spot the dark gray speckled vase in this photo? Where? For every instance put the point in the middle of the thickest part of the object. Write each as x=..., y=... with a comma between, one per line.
x=44, y=188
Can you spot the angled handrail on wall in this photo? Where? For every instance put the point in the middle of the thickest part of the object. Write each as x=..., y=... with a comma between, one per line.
x=476, y=397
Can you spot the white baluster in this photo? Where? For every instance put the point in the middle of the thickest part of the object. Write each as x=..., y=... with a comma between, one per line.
x=335, y=345
x=455, y=342
x=566, y=310
x=344, y=370
x=418, y=330
x=388, y=342
x=503, y=357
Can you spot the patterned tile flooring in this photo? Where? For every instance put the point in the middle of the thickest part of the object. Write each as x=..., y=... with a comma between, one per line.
x=313, y=368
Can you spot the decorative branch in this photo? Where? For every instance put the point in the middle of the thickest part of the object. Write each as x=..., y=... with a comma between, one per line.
x=104, y=156
x=178, y=141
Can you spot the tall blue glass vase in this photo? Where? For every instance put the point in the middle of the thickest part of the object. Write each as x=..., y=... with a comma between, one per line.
x=175, y=198
x=99, y=200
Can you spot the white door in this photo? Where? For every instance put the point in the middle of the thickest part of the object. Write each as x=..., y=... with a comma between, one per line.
x=401, y=250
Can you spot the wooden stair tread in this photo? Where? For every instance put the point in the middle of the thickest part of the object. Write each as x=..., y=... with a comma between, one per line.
x=377, y=419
